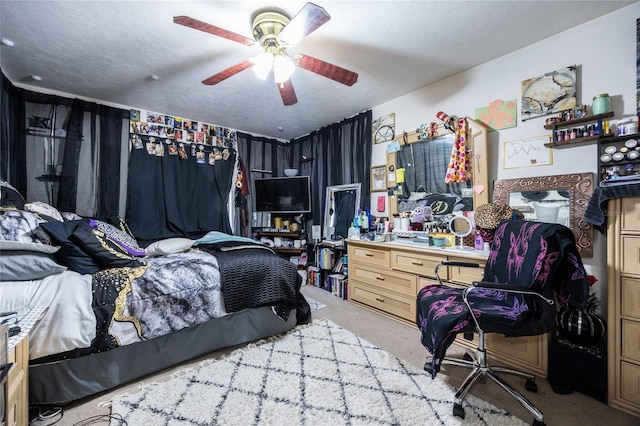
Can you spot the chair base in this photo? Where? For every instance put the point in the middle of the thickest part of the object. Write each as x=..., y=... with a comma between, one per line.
x=479, y=371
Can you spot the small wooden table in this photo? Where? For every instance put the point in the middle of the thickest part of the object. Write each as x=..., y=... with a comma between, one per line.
x=16, y=387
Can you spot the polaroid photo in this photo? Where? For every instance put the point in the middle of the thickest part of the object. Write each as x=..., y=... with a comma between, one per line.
x=200, y=157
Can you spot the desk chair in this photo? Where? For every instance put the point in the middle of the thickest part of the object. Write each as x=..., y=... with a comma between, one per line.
x=530, y=267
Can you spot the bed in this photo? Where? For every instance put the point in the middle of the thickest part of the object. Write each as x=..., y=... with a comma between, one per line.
x=117, y=312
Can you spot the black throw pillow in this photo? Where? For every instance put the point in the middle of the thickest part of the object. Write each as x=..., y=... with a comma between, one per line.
x=102, y=248
x=70, y=254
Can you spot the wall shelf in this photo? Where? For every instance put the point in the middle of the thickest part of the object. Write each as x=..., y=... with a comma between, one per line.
x=619, y=144
x=587, y=119
x=555, y=143
x=31, y=131
x=572, y=142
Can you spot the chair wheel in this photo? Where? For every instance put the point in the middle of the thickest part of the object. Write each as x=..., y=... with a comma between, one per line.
x=531, y=386
x=467, y=357
x=458, y=411
x=538, y=423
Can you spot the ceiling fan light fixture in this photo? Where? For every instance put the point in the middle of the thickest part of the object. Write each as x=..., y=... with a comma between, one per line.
x=263, y=64
x=283, y=68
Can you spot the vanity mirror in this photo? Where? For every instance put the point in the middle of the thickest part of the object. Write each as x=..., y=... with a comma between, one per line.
x=558, y=198
x=461, y=226
x=423, y=166
x=341, y=205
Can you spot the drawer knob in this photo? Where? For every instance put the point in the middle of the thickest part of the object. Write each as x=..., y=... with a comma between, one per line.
x=380, y=299
x=368, y=254
x=415, y=262
x=380, y=278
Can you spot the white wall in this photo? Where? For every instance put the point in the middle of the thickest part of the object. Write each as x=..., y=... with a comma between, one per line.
x=605, y=52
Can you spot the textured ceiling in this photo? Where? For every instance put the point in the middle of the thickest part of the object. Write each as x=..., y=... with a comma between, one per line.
x=107, y=51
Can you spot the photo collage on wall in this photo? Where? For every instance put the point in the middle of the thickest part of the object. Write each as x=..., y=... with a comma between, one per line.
x=162, y=134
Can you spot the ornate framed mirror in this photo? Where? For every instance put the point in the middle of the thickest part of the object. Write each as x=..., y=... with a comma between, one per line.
x=557, y=198
x=424, y=163
x=341, y=205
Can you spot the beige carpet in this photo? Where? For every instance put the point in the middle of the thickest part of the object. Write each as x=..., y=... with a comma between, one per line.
x=403, y=341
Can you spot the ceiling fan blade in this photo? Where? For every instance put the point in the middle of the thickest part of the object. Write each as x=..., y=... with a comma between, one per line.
x=334, y=72
x=229, y=72
x=287, y=93
x=212, y=29
x=307, y=20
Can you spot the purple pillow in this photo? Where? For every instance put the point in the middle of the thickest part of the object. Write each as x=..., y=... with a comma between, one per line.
x=124, y=240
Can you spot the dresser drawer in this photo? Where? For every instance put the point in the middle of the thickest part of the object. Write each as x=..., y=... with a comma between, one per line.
x=630, y=383
x=466, y=275
x=401, y=306
x=631, y=254
x=527, y=353
x=386, y=279
x=631, y=214
x=372, y=256
x=630, y=297
x=631, y=340
x=17, y=356
x=417, y=263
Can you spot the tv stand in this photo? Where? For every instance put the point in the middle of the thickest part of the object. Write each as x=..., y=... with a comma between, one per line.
x=287, y=245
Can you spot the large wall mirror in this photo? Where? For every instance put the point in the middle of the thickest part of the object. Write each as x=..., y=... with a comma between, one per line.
x=341, y=205
x=423, y=165
x=558, y=199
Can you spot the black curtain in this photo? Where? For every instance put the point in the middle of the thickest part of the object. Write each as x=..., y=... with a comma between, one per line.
x=335, y=155
x=169, y=197
x=106, y=148
x=262, y=158
x=69, y=174
x=13, y=144
x=109, y=160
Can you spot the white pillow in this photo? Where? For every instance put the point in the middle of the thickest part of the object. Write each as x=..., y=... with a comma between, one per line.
x=168, y=246
x=43, y=208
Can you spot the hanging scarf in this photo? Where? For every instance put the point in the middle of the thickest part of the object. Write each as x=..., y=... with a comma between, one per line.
x=459, y=166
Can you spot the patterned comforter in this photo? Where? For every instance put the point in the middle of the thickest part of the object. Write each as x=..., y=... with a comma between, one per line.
x=176, y=291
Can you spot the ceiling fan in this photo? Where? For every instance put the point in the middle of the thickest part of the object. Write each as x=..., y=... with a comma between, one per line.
x=275, y=33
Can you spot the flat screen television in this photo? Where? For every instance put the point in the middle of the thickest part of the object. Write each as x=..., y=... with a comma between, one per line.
x=283, y=195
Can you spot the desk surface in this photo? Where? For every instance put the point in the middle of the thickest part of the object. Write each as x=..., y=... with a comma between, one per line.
x=409, y=245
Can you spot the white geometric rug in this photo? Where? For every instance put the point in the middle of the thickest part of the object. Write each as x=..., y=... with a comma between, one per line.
x=319, y=374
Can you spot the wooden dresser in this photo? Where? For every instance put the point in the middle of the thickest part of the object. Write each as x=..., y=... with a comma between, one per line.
x=623, y=264
x=17, y=385
x=386, y=278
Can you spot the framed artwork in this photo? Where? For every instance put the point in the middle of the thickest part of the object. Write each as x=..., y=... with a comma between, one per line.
x=498, y=115
x=379, y=178
x=384, y=128
x=527, y=153
x=550, y=93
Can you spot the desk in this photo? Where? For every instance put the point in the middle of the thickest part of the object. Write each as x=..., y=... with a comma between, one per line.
x=16, y=388
x=386, y=278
